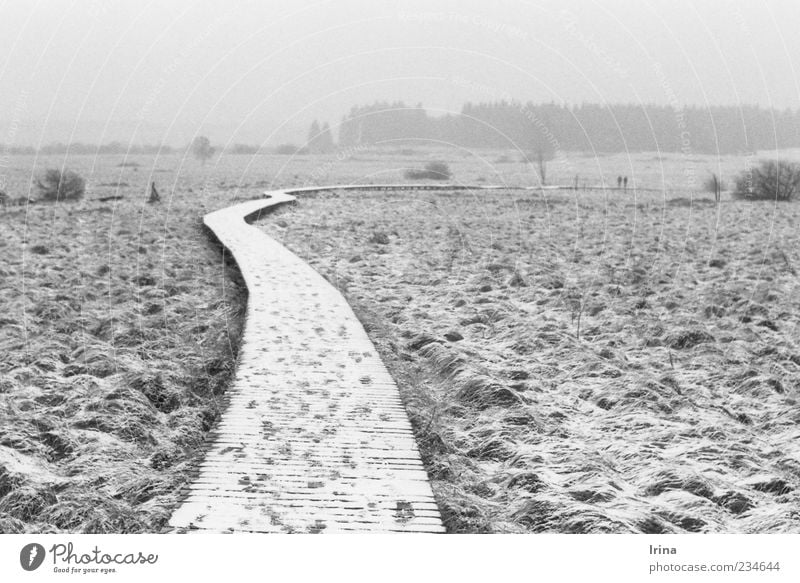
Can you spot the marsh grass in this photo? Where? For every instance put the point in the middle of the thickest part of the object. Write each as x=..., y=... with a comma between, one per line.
x=119, y=331
x=581, y=401
x=673, y=409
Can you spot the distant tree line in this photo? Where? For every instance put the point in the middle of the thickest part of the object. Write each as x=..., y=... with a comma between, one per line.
x=79, y=148
x=537, y=129
x=118, y=148
x=548, y=127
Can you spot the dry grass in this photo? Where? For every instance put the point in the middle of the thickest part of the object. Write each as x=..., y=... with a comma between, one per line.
x=581, y=363
x=120, y=324
x=569, y=366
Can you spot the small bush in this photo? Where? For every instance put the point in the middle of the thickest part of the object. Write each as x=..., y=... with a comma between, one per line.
x=244, y=149
x=58, y=185
x=380, y=238
x=432, y=171
x=202, y=149
x=770, y=180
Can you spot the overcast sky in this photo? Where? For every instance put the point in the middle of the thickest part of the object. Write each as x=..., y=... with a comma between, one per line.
x=151, y=71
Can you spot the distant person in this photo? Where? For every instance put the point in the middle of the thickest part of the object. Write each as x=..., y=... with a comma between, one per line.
x=625, y=182
x=619, y=182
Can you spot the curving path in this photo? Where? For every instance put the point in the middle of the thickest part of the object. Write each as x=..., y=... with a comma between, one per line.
x=314, y=437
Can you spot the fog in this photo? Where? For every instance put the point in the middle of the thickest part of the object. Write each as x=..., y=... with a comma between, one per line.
x=260, y=72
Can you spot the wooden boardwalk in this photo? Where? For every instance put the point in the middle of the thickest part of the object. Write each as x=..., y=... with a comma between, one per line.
x=315, y=437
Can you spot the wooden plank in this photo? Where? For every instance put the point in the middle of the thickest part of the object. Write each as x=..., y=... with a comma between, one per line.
x=314, y=437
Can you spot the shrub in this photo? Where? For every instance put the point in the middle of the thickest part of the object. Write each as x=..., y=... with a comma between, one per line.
x=202, y=149
x=770, y=180
x=240, y=149
x=58, y=185
x=380, y=238
x=432, y=171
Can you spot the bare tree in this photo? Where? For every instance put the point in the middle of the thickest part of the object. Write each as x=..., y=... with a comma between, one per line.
x=714, y=185
x=202, y=149
x=541, y=160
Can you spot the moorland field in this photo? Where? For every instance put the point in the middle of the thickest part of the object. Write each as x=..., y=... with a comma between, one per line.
x=572, y=360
